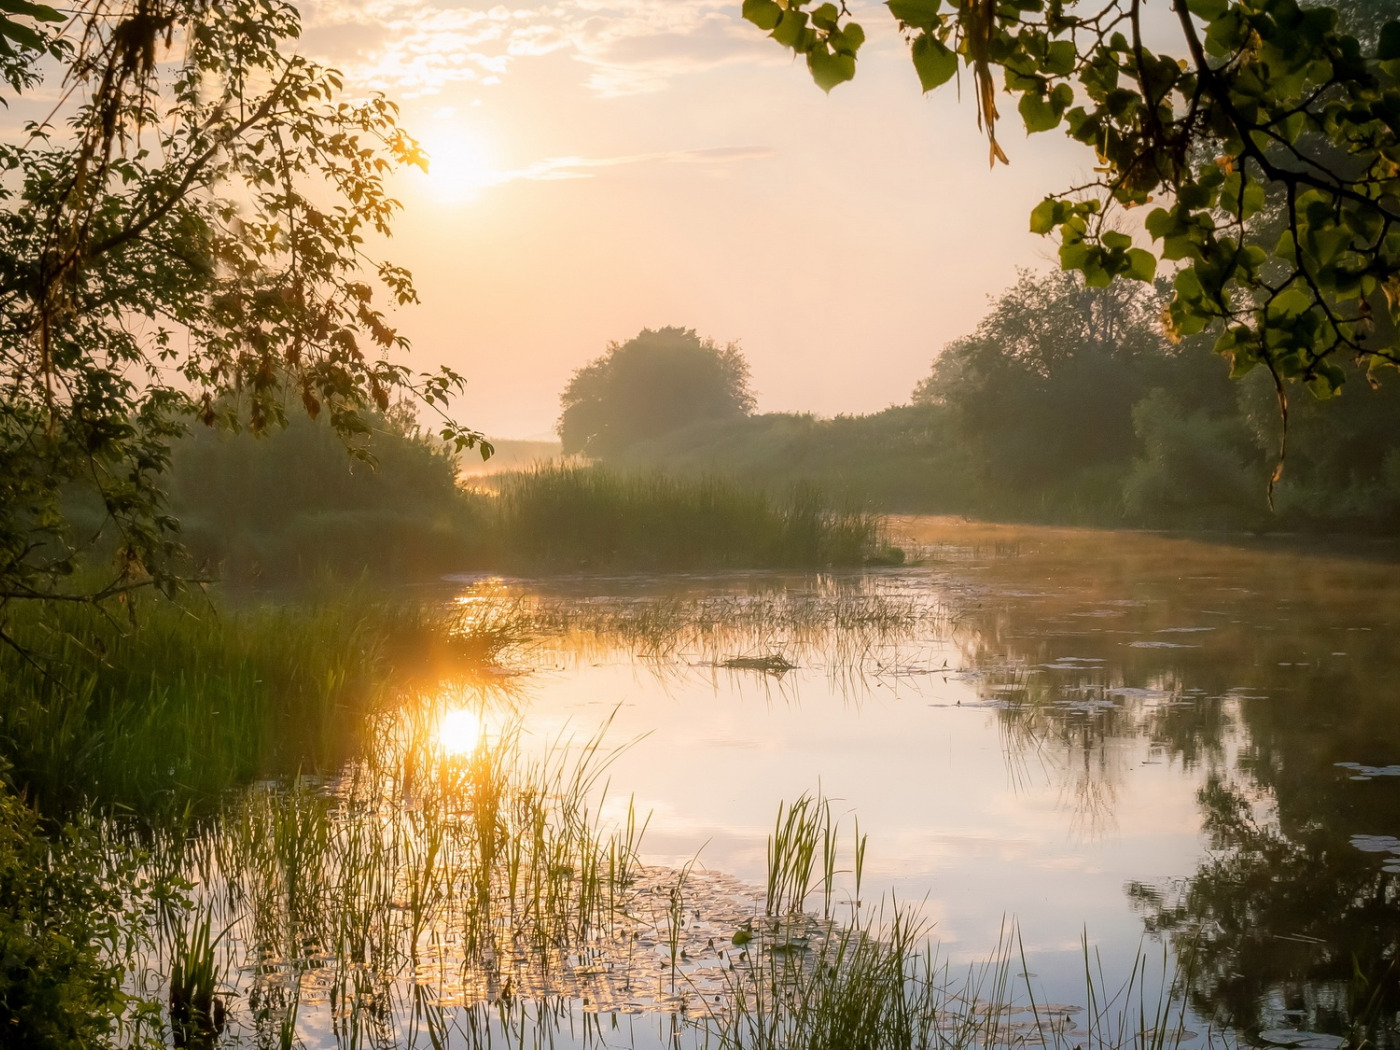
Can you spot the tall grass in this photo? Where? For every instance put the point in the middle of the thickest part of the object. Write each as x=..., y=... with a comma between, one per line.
x=180, y=702
x=557, y=518
x=875, y=981
x=419, y=881
x=879, y=984
x=269, y=512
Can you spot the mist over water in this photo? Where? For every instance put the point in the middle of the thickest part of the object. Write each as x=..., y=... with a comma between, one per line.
x=1089, y=746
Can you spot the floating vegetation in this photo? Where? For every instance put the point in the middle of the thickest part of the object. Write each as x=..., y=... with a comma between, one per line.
x=848, y=627
x=1360, y=772
x=1387, y=844
x=774, y=664
x=1302, y=1040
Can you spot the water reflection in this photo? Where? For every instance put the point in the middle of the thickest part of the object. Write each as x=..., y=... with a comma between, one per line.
x=1098, y=734
x=1137, y=678
x=459, y=731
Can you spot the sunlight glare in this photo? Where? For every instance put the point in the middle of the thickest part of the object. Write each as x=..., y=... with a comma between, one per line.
x=459, y=165
x=459, y=731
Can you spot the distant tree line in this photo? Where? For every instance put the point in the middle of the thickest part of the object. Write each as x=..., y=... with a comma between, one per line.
x=1066, y=404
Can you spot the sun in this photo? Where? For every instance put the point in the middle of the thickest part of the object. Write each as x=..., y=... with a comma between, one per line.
x=459, y=161
x=459, y=731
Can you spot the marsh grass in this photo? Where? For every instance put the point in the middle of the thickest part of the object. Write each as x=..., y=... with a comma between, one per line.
x=803, y=836
x=174, y=704
x=418, y=881
x=557, y=518
x=395, y=890
x=197, y=1014
x=878, y=983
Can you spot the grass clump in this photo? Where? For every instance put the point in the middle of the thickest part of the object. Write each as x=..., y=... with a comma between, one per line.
x=183, y=701
x=559, y=518
x=422, y=880
x=875, y=982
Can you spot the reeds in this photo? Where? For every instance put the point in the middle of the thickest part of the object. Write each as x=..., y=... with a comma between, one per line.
x=197, y=1014
x=420, y=879
x=190, y=700
x=567, y=517
x=879, y=984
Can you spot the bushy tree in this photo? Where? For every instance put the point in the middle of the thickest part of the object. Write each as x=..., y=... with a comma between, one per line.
x=185, y=238
x=1042, y=393
x=657, y=382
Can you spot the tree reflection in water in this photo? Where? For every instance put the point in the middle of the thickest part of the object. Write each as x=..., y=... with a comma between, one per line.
x=1272, y=674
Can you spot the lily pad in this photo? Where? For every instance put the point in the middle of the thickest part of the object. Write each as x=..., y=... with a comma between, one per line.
x=1302, y=1040
x=1375, y=843
x=1283, y=1036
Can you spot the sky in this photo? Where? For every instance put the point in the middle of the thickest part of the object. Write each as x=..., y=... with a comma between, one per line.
x=601, y=166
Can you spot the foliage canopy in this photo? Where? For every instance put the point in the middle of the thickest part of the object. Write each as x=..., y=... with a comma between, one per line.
x=1265, y=148
x=184, y=237
x=654, y=383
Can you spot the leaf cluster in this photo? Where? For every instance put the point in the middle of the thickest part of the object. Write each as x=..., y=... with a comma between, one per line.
x=187, y=237
x=1266, y=148
x=70, y=906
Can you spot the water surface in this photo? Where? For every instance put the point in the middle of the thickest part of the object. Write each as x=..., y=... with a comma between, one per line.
x=1105, y=739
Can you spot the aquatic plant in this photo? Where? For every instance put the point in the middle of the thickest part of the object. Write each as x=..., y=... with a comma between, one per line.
x=183, y=701
x=197, y=1014
x=567, y=517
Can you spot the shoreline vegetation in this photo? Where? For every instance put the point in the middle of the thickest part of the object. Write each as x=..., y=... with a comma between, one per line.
x=286, y=821
x=292, y=505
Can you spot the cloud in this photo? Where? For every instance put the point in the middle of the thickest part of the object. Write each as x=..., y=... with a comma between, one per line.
x=420, y=47
x=557, y=168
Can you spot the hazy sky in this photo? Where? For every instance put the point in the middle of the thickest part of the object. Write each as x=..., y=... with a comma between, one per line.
x=607, y=165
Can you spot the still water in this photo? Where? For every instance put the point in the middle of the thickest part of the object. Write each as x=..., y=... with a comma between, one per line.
x=1108, y=740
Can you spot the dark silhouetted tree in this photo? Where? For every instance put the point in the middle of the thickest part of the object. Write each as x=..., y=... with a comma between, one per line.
x=654, y=383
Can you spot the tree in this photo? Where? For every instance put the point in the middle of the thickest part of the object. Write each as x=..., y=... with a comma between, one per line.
x=185, y=237
x=654, y=383
x=1264, y=101
x=1042, y=393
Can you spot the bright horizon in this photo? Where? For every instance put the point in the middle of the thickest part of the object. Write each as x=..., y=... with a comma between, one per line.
x=601, y=166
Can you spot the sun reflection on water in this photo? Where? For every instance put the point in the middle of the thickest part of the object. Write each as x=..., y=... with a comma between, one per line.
x=459, y=731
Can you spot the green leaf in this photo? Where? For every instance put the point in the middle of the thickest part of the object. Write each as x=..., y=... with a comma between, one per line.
x=1060, y=57
x=852, y=36
x=1142, y=265
x=763, y=13
x=828, y=68
x=1046, y=216
x=1390, y=42
x=21, y=34
x=1037, y=112
x=934, y=63
x=917, y=14
x=1159, y=221
x=790, y=29
x=1327, y=381
x=825, y=16
x=38, y=12
x=1210, y=10
x=1074, y=255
